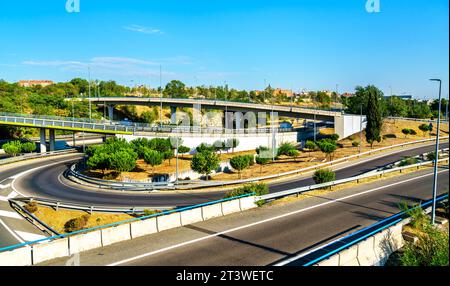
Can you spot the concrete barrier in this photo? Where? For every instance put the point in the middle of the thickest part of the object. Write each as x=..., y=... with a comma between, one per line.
x=191, y=216
x=50, y=250
x=115, y=234
x=212, y=211
x=169, y=221
x=85, y=241
x=332, y=261
x=230, y=207
x=349, y=256
x=247, y=203
x=143, y=227
x=366, y=253
x=17, y=257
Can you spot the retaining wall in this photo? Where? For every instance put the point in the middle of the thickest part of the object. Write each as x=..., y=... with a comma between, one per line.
x=64, y=247
x=373, y=251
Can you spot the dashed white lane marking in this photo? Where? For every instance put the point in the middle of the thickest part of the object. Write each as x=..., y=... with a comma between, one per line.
x=10, y=214
x=28, y=236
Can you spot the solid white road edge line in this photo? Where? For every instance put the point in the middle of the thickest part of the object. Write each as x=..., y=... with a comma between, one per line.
x=15, y=177
x=261, y=222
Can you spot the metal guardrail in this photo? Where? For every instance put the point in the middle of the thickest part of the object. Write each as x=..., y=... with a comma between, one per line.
x=189, y=184
x=324, y=252
x=165, y=212
x=35, y=156
x=342, y=181
x=57, y=204
x=416, y=119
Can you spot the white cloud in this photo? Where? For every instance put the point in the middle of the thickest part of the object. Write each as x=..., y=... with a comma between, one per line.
x=142, y=29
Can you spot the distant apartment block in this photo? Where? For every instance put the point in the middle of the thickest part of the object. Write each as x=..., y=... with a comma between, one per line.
x=29, y=83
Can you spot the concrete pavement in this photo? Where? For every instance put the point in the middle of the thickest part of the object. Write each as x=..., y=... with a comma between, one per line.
x=266, y=235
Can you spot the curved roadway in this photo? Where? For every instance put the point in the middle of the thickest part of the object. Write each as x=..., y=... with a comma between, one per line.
x=47, y=181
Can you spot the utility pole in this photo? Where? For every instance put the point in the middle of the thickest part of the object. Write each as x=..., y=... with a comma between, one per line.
x=160, y=96
x=433, y=214
x=360, y=128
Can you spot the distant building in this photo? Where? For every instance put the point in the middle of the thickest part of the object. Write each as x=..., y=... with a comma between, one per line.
x=280, y=91
x=29, y=83
x=347, y=94
x=404, y=96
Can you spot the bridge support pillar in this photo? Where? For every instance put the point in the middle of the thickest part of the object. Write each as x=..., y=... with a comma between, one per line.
x=42, y=146
x=111, y=112
x=173, y=115
x=239, y=122
x=52, y=139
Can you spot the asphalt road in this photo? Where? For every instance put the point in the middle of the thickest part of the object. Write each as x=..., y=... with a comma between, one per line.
x=48, y=182
x=267, y=235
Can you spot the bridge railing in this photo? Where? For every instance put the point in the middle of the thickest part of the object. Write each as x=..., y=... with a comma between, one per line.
x=35, y=156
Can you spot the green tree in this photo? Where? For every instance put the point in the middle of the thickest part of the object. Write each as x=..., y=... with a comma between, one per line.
x=28, y=147
x=205, y=162
x=239, y=163
x=374, y=115
x=232, y=143
x=153, y=158
x=100, y=160
x=327, y=146
x=261, y=161
x=12, y=148
x=183, y=150
x=124, y=161
x=168, y=155
x=424, y=128
x=175, y=89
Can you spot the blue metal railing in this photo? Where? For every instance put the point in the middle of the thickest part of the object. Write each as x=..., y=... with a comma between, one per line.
x=345, y=242
x=166, y=212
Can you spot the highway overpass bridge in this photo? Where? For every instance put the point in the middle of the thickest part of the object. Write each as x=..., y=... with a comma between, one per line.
x=344, y=124
x=231, y=106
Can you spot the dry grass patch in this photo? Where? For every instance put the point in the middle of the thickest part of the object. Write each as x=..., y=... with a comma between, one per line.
x=57, y=219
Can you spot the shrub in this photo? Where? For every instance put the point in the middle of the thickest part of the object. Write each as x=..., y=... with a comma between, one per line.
x=251, y=159
x=28, y=147
x=12, y=148
x=285, y=148
x=259, y=189
x=334, y=137
x=150, y=212
x=76, y=224
x=311, y=146
x=389, y=136
x=324, y=176
x=293, y=153
x=232, y=143
x=261, y=149
x=432, y=249
x=408, y=131
x=419, y=220
x=183, y=150
x=205, y=147
x=431, y=156
x=356, y=143
x=408, y=161
x=31, y=207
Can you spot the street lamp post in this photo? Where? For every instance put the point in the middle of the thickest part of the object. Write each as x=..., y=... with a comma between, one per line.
x=433, y=214
x=160, y=97
x=90, y=107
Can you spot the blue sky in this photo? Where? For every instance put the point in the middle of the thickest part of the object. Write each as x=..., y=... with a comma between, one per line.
x=302, y=44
